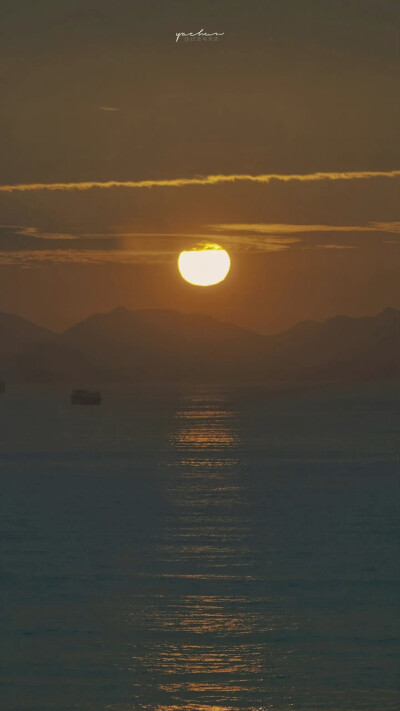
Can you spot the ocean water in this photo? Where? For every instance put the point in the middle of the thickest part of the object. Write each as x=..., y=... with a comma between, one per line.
x=200, y=549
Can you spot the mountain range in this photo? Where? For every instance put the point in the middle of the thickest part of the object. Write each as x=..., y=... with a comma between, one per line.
x=169, y=346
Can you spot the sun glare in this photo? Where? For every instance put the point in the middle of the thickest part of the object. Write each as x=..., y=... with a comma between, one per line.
x=204, y=266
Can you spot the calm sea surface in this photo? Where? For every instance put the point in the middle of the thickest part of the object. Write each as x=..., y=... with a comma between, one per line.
x=200, y=549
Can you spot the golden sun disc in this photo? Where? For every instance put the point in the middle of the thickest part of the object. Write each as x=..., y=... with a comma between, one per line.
x=204, y=267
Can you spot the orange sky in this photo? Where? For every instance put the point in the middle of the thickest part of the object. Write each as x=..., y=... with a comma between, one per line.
x=101, y=94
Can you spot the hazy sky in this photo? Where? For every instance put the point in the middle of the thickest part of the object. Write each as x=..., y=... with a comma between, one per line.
x=95, y=92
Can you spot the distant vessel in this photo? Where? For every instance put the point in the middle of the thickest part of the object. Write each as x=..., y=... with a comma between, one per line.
x=85, y=397
x=2, y=387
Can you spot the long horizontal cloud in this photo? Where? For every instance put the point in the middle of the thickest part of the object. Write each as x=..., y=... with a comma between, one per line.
x=150, y=247
x=268, y=229
x=201, y=180
x=31, y=258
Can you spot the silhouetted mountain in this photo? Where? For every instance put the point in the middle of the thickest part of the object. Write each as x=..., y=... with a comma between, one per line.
x=31, y=353
x=365, y=346
x=17, y=332
x=163, y=345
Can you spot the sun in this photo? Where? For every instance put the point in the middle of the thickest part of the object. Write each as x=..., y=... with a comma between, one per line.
x=204, y=266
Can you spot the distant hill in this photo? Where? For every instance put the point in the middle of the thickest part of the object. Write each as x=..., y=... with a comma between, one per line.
x=164, y=345
x=17, y=332
x=361, y=347
x=31, y=353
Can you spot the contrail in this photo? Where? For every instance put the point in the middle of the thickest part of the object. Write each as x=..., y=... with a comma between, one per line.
x=201, y=180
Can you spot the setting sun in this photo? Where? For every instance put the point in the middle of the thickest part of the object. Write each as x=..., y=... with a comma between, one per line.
x=204, y=266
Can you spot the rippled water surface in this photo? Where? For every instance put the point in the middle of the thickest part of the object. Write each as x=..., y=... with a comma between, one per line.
x=200, y=549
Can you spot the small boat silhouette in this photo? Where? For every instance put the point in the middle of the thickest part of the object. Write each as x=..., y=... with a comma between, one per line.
x=85, y=397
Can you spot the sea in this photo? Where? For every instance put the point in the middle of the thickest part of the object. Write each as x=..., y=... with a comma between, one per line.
x=200, y=548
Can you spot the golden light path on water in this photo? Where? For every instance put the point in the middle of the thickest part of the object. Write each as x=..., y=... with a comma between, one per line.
x=206, y=627
x=203, y=538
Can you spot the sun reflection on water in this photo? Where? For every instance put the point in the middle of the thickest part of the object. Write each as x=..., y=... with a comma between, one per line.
x=203, y=626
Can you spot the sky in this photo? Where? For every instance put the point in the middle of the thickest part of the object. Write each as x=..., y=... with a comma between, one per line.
x=121, y=146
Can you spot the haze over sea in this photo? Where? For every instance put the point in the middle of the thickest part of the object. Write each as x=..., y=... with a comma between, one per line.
x=200, y=549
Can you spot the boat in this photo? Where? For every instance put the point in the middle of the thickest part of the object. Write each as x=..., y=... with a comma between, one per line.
x=85, y=397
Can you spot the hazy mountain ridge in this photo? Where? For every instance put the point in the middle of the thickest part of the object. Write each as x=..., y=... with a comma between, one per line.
x=16, y=331
x=171, y=346
x=35, y=354
x=339, y=339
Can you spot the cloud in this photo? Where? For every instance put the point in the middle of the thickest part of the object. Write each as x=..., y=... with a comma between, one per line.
x=275, y=229
x=35, y=232
x=335, y=246
x=109, y=108
x=388, y=226
x=119, y=247
x=30, y=258
x=267, y=237
x=201, y=180
x=155, y=247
